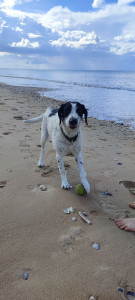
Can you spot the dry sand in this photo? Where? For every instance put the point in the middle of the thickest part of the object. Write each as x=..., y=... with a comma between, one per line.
x=36, y=234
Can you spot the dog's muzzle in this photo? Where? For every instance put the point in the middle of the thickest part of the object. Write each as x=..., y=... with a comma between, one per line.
x=73, y=122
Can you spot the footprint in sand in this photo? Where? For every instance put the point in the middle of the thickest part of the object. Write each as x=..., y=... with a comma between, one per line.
x=129, y=185
x=67, y=241
x=45, y=171
x=18, y=118
x=3, y=183
x=7, y=133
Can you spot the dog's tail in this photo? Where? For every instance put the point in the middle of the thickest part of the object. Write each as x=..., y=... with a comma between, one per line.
x=34, y=120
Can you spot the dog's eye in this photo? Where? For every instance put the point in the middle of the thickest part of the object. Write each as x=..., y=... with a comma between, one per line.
x=79, y=112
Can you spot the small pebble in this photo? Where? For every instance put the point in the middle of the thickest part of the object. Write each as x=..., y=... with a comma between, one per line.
x=92, y=298
x=119, y=163
x=25, y=275
x=74, y=219
x=9, y=170
x=43, y=187
x=96, y=246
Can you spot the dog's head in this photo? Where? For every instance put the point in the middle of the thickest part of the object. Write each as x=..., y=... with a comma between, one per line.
x=71, y=114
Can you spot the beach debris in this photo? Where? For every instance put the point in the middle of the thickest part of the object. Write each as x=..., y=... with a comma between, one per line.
x=83, y=217
x=132, y=294
x=25, y=275
x=84, y=213
x=96, y=246
x=106, y=193
x=127, y=294
x=74, y=219
x=69, y=210
x=120, y=289
x=43, y=187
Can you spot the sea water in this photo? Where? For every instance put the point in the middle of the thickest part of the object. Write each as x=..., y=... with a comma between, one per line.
x=108, y=95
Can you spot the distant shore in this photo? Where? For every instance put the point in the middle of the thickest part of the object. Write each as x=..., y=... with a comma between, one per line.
x=36, y=235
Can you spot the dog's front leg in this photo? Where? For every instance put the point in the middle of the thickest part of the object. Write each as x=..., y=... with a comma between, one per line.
x=83, y=176
x=64, y=182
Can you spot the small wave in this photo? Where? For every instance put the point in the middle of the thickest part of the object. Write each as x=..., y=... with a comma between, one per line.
x=81, y=84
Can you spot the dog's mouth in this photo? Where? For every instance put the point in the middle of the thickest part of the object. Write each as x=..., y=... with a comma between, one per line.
x=72, y=126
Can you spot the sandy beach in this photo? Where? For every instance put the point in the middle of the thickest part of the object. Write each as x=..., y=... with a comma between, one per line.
x=36, y=235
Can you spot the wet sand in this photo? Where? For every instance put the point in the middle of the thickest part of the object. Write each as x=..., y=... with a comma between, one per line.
x=36, y=235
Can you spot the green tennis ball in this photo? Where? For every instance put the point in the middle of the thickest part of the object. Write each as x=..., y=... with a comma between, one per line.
x=80, y=189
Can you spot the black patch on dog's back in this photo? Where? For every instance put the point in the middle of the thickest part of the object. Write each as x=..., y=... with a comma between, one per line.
x=53, y=112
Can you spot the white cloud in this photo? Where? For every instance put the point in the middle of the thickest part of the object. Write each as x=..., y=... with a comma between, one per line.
x=97, y=3
x=4, y=53
x=9, y=3
x=2, y=24
x=113, y=20
x=34, y=36
x=125, y=2
x=12, y=3
x=75, y=39
x=25, y=44
x=123, y=44
x=17, y=29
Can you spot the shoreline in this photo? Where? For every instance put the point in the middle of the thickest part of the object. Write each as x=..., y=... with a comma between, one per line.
x=36, y=93
x=36, y=235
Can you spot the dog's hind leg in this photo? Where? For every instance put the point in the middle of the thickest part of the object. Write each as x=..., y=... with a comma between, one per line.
x=44, y=136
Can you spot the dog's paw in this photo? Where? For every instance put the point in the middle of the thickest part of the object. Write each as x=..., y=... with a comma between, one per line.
x=86, y=186
x=40, y=164
x=66, y=185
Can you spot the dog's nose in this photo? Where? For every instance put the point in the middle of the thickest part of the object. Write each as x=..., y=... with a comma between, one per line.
x=73, y=122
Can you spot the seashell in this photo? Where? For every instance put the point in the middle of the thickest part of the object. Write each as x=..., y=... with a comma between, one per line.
x=69, y=210
x=92, y=298
x=96, y=246
x=74, y=219
x=25, y=275
x=43, y=187
x=84, y=218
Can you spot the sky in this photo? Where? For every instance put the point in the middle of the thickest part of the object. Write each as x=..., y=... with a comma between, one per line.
x=67, y=34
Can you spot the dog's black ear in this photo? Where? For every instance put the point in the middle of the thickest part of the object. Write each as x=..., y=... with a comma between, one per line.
x=60, y=112
x=85, y=112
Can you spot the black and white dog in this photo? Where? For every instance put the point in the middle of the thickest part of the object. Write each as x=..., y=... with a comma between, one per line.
x=63, y=127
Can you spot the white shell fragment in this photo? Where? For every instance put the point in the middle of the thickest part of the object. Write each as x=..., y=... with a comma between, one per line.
x=69, y=210
x=92, y=298
x=96, y=246
x=84, y=218
x=74, y=219
x=43, y=187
